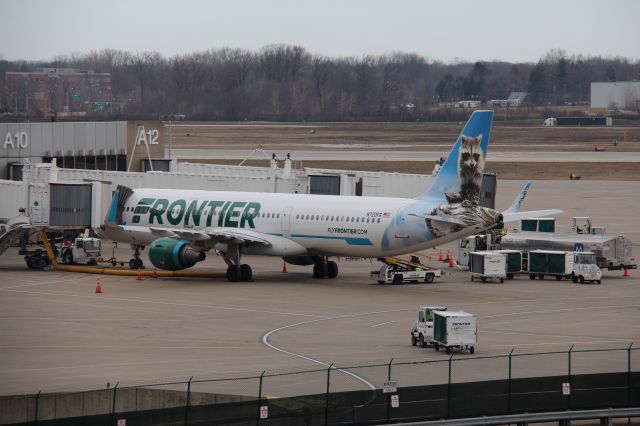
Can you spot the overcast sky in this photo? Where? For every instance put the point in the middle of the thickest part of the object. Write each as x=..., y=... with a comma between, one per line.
x=509, y=30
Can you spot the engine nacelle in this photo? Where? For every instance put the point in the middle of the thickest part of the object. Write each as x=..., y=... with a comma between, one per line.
x=301, y=260
x=173, y=255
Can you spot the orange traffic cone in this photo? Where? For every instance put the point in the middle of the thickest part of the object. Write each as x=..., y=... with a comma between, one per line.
x=155, y=273
x=448, y=257
x=451, y=263
x=440, y=256
x=626, y=272
x=284, y=267
x=139, y=277
x=98, y=286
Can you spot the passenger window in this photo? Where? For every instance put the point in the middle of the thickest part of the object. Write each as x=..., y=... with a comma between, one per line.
x=278, y=216
x=378, y=220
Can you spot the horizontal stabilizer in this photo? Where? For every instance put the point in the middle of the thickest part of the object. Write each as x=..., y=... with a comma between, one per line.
x=447, y=219
x=513, y=216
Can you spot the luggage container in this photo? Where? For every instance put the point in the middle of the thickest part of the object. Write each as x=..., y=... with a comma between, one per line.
x=488, y=265
x=548, y=262
x=454, y=330
x=514, y=262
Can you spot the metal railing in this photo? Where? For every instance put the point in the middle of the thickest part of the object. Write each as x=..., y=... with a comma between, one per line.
x=454, y=387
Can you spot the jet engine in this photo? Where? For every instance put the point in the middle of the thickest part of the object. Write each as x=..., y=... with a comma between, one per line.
x=173, y=255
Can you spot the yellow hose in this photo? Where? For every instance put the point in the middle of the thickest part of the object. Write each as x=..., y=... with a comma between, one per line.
x=121, y=272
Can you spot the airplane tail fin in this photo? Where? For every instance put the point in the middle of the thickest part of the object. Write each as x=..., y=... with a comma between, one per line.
x=114, y=215
x=517, y=203
x=459, y=177
x=513, y=213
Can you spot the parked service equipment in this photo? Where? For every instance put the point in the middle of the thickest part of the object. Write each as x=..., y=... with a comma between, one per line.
x=514, y=262
x=454, y=330
x=488, y=265
x=422, y=330
x=473, y=243
x=81, y=250
x=398, y=271
x=612, y=252
x=578, y=121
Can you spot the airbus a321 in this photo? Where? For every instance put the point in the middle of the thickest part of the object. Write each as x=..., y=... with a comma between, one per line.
x=180, y=226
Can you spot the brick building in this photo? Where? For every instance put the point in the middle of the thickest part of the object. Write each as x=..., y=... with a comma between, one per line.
x=58, y=92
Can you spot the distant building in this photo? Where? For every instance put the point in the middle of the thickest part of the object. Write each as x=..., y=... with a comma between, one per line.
x=467, y=104
x=58, y=92
x=616, y=95
x=515, y=99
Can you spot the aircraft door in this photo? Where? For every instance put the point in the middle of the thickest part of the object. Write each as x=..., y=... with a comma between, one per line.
x=286, y=219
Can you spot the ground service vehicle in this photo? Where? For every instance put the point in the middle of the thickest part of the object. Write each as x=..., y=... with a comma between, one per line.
x=454, y=330
x=422, y=330
x=81, y=250
x=488, y=265
x=398, y=271
x=585, y=268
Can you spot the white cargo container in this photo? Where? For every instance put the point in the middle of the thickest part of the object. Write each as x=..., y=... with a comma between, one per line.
x=488, y=265
x=455, y=330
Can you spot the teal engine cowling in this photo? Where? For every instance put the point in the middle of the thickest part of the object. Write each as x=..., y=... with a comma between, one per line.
x=173, y=255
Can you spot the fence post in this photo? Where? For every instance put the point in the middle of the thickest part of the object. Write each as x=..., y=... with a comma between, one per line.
x=259, y=398
x=326, y=404
x=509, y=384
x=629, y=375
x=35, y=417
x=389, y=397
x=186, y=408
x=449, y=390
x=569, y=378
x=113, y=405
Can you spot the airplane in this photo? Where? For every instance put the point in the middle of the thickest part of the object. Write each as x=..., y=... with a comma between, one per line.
x=180, y=226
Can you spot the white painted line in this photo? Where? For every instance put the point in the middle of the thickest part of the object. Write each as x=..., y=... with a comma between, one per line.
x=382, y=323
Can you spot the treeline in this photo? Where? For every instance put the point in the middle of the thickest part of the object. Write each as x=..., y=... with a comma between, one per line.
x=285, y=82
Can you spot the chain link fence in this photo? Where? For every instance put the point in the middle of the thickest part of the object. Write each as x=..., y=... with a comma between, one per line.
x=452, y=387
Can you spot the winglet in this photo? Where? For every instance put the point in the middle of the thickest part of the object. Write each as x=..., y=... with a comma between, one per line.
x=448, y=180
x=517, y=203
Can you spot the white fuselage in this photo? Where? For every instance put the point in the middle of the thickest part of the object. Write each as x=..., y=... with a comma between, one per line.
x=317, y=224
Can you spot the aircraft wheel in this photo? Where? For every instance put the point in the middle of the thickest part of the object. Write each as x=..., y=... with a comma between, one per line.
x=318, y=270
x=333, y=269
x=233, y=273
x=246, y=273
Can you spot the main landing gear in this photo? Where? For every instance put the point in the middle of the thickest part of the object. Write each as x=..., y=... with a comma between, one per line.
x=325, y=268
x=237, y=271
x=136, y=262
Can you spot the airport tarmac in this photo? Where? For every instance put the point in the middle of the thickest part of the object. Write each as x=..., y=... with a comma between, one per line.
x=58, y=335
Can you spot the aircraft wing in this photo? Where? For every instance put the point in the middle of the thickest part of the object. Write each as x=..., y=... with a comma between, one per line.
x=223, y=235
x=513, y=216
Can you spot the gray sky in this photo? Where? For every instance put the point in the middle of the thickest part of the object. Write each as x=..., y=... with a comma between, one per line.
x=510, y=30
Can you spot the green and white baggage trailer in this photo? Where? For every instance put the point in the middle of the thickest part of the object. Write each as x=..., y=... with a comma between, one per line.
x=514, y=262
x=550, y=262
x=422, y=329
x=488, y=265
x=454, y=330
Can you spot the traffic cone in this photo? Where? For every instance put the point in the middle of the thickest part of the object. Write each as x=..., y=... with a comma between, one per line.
x=448, y=257
x=139, y=277
x=440, y=256
x=451, y=263
x=284, y=267
x=98, y=286
x=626, y=272
x=155, y=273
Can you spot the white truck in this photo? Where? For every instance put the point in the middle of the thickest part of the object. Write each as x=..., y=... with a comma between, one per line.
x=81, y=250
x=585, y=268
x=422, y=330
x=454, y=330
x=398, y=271
x=488, y=265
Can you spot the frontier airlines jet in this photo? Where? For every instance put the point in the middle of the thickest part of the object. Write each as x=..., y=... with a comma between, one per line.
x=179, y=226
